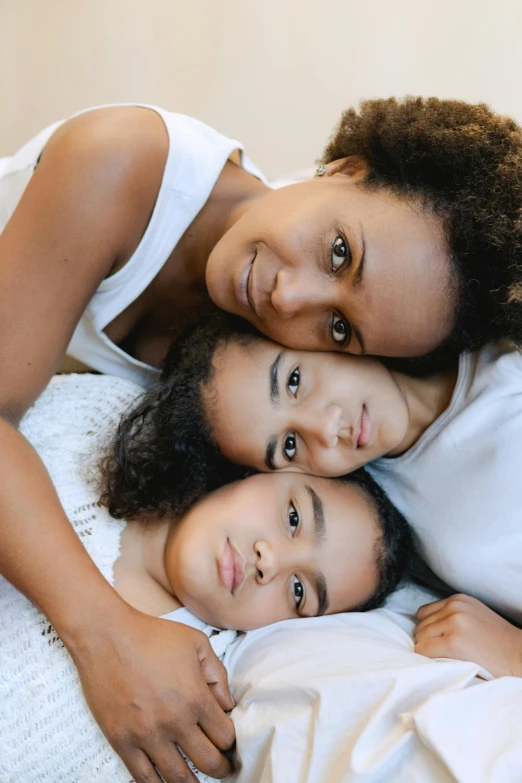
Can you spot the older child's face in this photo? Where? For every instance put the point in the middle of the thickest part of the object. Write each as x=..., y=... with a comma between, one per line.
x=273, y=547
x=277, y=409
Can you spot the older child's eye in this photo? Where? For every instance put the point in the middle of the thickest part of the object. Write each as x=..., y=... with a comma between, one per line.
x=293, y=381
x=293, y=518
x=289, y=447
x=298, y=591
x=341, y=332
x=340, y=252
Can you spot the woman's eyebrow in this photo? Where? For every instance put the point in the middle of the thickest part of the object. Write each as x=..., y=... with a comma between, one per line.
x=357, y=280
x=359, y=272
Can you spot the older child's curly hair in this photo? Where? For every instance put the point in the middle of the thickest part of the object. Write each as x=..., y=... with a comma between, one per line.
x=465, y=162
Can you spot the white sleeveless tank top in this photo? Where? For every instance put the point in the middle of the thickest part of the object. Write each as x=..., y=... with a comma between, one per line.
x=197, y=154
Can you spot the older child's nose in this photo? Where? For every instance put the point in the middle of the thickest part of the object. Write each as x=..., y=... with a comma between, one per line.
x=323, y=424
x=295, y=291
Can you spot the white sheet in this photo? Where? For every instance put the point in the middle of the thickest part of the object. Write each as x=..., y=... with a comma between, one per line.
x=345, y=698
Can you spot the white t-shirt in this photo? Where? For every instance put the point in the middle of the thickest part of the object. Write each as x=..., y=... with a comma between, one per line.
x=197, y=154
x=460, y=485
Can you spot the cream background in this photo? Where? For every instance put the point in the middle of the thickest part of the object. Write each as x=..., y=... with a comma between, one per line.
x=273, y=73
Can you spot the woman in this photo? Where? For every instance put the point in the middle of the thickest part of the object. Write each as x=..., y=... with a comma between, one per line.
x=232, y=560
x=122, y=222
x=445, y=447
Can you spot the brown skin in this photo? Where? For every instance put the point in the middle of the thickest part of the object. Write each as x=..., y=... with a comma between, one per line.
x=333, y=413
x=268, y=524
x=79, y=220
x=464, y=628
x=307, y=244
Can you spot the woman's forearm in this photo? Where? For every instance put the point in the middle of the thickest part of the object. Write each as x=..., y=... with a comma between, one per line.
x=146, y=680
x=40, y=554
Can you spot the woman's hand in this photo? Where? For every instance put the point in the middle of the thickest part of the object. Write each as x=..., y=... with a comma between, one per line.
x=150, y=683
x=464, y=628
x=153, y=684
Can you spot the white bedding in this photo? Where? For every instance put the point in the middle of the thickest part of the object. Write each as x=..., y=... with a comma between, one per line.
x=345, y=698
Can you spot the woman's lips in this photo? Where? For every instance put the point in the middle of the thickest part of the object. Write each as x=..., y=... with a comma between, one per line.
x=231, y=568
x=365, y=429
x=242, y=288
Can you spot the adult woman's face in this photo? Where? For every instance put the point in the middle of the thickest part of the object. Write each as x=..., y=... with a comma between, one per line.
x=284, y=410
x=332, y=265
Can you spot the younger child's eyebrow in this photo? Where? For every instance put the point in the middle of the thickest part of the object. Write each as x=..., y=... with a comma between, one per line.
x=320, y=535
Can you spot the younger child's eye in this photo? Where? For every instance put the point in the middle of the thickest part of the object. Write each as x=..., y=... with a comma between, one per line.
x=298, y=591
x=293, y=518
x=340, y=252
x=289, y=447
x=293, y=381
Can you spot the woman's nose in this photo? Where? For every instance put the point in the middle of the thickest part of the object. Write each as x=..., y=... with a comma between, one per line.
x=296, y=291
x=323, y=425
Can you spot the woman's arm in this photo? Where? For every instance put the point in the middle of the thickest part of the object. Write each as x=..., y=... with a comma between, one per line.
x=149, y=683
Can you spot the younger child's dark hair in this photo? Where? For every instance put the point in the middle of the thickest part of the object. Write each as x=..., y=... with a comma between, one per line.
x=394, y=549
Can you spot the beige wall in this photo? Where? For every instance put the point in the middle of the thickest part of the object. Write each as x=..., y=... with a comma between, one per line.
x=273, y=73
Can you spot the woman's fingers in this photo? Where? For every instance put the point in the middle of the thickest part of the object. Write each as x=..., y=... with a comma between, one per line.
x=204, y=755
x=215, y=676
x=172, y=765
x=140, y=767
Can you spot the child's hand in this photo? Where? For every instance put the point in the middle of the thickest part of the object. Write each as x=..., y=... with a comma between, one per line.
x=464, y=628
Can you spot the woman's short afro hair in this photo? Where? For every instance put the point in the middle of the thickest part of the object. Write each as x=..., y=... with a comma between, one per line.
x=464, y=162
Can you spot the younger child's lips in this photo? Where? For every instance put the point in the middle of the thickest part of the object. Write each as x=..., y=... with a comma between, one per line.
x=365, y=429
x=226, y=567
x=239, y=568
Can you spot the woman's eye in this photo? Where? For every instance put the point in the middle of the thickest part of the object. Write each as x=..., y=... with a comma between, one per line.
x=293, y=381
x=298, y=591
x=289, y=447
x=340, y=331
x=293, y=518
x=340, y=252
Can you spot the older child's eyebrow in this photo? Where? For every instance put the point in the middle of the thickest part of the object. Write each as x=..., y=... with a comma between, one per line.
x=273, y=392
x=273, y=378
x=270, y=453
x=320, y=535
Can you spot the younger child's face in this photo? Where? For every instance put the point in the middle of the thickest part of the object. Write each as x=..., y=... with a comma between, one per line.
x=274, y=408
x=274, y=547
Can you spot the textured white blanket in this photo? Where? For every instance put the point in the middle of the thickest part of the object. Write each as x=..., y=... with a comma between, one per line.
x=47, y=733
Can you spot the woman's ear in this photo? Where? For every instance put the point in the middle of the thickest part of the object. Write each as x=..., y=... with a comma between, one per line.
x=352, y=166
